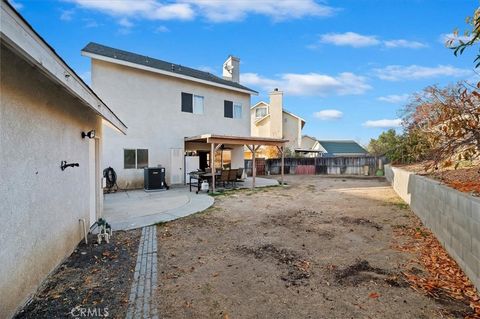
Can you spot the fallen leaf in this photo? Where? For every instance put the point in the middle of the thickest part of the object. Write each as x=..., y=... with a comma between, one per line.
x=373, y=295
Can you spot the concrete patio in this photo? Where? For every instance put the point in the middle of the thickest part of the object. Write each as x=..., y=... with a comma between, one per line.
x=136, y=208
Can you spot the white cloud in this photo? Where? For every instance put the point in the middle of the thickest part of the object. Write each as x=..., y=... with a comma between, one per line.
x=401, y=43
x=394, y=98
x=310, y=84
x=212, y=10
x=66, y=15
x=124, y=22
x=162, y=29
x=357, y=40
x=146, y=9
x=90, y=23
x=451, y=39
x=383, y=123
x=399, y=72
x=328, y=115
x=15, y=4
x=349, y=39
x=236, y=10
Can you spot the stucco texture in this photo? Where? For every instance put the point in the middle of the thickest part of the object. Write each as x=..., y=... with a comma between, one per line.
x=150, y=105
x=40, y=205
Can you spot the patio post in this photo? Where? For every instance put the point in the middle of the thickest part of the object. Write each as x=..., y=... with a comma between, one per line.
x=281, y=149
x=212, y=165
x=254, y=166
x=283, y=162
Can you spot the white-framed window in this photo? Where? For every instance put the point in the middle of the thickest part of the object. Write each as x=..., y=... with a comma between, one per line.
x=198, y=104
x=260, y=112
x=193, y=103
x=237, y=110
x=135, y=158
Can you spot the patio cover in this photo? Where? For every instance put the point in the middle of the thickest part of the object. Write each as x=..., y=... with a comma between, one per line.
x=251, y=142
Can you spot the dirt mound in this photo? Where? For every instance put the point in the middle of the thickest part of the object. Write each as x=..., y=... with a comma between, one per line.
x=298, y=269
x=362, y=271
x=360, y=221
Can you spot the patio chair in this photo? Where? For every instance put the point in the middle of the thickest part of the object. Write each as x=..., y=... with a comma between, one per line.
x=232, y=176
x=239, y=175
x=224, y=177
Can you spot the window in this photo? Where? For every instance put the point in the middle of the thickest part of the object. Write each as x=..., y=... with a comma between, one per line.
x=142, y=158
x=237, y=110
x=129, y=159
x=192, y=103
x=260, y=112
x=135, y=158
x=198, y=104
x=228, y=109
x=187, y=102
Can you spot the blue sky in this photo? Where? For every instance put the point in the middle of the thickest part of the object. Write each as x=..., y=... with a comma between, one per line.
x=346, y=67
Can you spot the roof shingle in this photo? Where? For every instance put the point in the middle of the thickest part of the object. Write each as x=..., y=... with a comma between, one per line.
x=117, y=54
x=343, y=147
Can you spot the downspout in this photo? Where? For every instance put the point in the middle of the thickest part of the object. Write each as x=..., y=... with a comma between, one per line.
x=82, y=220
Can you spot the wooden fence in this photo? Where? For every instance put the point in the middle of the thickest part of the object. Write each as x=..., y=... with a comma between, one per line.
x=316, y=165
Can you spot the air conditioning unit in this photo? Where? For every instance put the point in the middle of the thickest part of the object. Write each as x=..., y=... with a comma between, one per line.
x=154, y=178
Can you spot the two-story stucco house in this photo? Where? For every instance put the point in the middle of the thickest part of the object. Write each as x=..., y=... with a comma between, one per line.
x=164, y=105
x=44, y=210
x=272, y=120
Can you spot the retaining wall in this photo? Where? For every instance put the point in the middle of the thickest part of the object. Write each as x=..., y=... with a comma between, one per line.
x=453, y=217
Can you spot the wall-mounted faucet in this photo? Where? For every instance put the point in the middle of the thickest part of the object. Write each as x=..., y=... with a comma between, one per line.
x=64, y=165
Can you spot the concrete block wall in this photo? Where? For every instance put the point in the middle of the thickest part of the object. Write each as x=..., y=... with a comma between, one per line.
x=453, y=216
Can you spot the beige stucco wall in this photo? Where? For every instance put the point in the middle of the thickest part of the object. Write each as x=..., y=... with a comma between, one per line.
x=309, y=143
x=292, y=131
x=150, y=105
x=40, y=205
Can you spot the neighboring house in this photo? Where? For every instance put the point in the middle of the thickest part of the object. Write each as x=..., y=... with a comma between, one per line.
x=342, y=148
x=164, y=104
x=310, y=147
x=44, y=108
x=272, y=120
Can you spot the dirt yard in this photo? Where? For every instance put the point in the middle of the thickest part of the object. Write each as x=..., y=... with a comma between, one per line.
x=319, y=248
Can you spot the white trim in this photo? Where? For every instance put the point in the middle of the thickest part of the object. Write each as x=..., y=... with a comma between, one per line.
x=20, y=37
x=163, y=72
x=258, y=103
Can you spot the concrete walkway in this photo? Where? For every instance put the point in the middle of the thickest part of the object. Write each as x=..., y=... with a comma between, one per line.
x=259, y=182
x=137, y=208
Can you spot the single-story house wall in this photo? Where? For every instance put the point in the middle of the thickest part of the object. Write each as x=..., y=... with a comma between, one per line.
x=163, y=103
x=44, y=108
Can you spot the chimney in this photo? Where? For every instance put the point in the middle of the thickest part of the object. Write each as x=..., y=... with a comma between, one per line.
x=276, y=114
x=231, y=69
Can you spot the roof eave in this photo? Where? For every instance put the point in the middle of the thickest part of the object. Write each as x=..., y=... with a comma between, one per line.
x=17, y=34
x=163, y=72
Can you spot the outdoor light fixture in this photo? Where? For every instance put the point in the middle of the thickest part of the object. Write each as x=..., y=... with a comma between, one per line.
x=90, y=134
x=64, y=165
